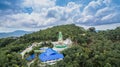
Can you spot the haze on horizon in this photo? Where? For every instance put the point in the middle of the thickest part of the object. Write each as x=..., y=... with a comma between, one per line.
x=33, y=15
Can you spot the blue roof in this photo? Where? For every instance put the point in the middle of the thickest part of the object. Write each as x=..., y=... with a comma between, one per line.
x=31, y=57
x=50, y=54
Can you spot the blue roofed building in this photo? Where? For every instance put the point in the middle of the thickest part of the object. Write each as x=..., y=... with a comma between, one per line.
x=50, y=55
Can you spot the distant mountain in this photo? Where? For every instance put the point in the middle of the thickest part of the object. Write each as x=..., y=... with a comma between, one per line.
x=16, y=33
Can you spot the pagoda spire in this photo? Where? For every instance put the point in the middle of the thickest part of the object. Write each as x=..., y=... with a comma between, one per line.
x=60, y=37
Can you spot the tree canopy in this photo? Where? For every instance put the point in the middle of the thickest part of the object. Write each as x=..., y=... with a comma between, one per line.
x=89, y=49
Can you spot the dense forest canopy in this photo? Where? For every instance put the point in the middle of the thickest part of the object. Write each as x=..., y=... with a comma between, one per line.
x=90, y=48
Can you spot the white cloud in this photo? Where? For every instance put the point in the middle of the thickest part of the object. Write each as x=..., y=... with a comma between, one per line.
x=104, y=11
x=98, y=13
x=92, y=7
x=107, y=2
x=107, y=26
x=108, y=17
x=39, y=3
x=46, y=13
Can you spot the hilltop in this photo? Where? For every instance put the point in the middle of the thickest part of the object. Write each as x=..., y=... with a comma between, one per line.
x=90, y=48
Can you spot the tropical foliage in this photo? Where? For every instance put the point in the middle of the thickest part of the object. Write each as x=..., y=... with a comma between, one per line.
x=90, y=48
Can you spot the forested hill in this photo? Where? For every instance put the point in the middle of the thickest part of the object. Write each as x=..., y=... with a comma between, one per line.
x=16, y=33
x=90, y=48
x=50, y=34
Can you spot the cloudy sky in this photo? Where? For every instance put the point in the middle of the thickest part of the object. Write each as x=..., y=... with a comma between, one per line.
x=31, y=15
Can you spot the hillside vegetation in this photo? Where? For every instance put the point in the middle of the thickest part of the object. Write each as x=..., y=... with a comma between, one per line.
x=90, y=48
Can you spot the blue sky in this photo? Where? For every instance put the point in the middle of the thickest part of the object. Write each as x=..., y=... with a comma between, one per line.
x=32, y=15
